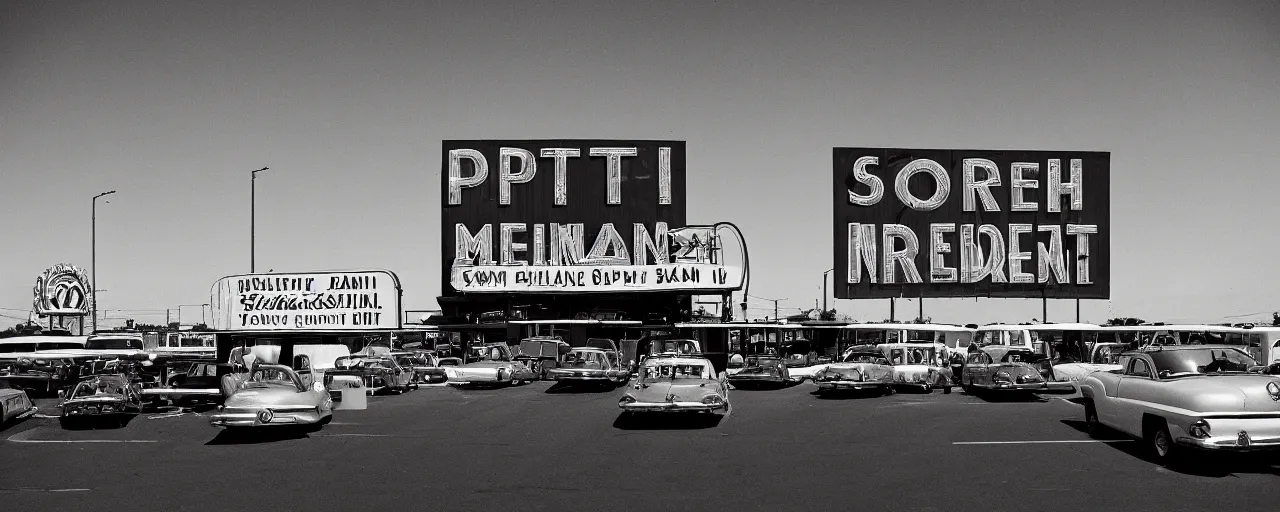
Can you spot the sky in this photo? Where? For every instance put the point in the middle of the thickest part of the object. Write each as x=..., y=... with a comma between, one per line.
x=172, y=104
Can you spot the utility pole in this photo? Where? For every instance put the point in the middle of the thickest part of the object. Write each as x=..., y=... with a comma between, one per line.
x=93, y=254
x=775, y=310
x=824, y=289
x=893, y=306
x=253, y=203
x=921, y=302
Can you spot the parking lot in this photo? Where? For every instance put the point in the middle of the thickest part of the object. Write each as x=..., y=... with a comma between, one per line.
x=539, y=447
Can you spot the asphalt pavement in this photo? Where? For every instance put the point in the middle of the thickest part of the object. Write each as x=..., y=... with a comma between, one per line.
x=539, y=447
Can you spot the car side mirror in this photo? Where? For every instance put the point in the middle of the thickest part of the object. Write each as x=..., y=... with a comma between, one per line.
x=62, y=394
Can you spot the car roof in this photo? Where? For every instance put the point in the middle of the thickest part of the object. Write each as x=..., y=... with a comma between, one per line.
x=678, y=360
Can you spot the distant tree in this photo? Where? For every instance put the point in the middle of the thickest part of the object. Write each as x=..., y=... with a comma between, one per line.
x=200, y=328
x=923, y=320
x=1275, y=318
x=1126, y=321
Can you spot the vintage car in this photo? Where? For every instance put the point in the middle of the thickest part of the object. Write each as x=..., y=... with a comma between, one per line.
x=197, y=383
x=863, y=367
x=1011, y=369
x=424, y=364
x=613, y=352
x=589, y=365
x=663, y=346
x=677, y=384
x=15, y=405
x=1103, y=357
x=761, y=370
x=274, y=395
x=44, y=375
x=490, y=364
x=1199, y=396
x=918, y=365
x=111, y=397
x=541, y=354
x=378, y=372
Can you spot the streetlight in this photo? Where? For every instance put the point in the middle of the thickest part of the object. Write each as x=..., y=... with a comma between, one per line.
x=93, y=253
x=824, y=290
x=253, y=192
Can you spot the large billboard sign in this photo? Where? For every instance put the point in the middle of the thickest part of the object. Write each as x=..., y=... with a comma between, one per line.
x=319, y=301
x=971, y=223
x=573, y=216
x=63, y=290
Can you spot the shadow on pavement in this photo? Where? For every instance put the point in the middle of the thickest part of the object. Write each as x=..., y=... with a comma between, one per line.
x=1193, y=462
x=848, y=394
x=106, y=422
x=666, y=421
x=747, y=385
x=562, y=387
x=1008, y=396
x=259, y=436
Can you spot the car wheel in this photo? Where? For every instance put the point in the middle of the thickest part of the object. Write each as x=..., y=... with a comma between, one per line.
x=1091, y=417
x=1160, y=445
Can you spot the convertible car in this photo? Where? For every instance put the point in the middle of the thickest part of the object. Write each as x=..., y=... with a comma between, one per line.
x=677, y=384
x=101, y=397
x=1011, y=369
x=1103, y=357
x=274, y=395
x=862, y=367
x=761, y=370
x=490, y=364
x=589, y=365
x=918, y=366
x=1199, y=396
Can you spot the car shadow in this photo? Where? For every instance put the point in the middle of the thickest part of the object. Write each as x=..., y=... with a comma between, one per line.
x=580, y=388
x=1007, y=397
x=97, y=422
x=761, y=386
x=1194, y=463
x=666, y=421
x=266, y=435
x=848, y=394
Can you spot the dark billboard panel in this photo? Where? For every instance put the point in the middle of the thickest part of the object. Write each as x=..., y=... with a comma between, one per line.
x=971, y=223
x=572, y=216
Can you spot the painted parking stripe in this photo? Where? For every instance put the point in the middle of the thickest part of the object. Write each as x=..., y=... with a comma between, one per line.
x=350, y=435
x=1062, y=441
x=21, y=437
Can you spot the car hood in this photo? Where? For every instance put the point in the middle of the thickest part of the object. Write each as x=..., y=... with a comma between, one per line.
x=870, y=370
x=684, y=392
x=267, y=395
x=487, y=364
x=1224, y=393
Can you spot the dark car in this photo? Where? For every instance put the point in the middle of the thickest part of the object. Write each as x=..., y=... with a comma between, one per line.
x=101, y=397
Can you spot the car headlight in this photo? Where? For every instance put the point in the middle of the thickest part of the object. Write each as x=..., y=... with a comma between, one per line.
x=1273, y=389
x=1199, y=429
x=712, y=399
x=1001, y=376
x=626, y=399
x=1023, y=379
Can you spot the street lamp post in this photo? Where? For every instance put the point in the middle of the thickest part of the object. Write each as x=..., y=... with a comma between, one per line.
x=824, y=290
x=253, y=203
x=93, y=253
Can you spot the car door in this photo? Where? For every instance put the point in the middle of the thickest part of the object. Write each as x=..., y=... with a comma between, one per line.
x=1134, y=392
x=975, y=368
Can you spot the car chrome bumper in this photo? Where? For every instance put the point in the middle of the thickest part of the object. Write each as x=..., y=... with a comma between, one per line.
x=738, y=377
x=576, y=375
x=1233, y=443
x=673, y=407
x=250, y=419
x=851, y=384
x=1035, y=387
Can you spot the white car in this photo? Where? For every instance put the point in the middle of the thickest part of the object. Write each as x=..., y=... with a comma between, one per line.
x=1201, y=396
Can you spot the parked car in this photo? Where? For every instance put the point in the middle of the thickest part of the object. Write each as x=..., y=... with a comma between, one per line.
x=378, y=373
x=863, y=367
x=1103, y=357
x=101, y=397
x=274, y=395
x=677, y=384
x=613, y=352
x=1003, y=368
x=490, y=364
x=541, y=354
x=198, y=383
x=761, y=370
x=42, y=375
x=918, y=365
x=424, y=365
x=589, y=365
x=15, y=405
x=1186, y=396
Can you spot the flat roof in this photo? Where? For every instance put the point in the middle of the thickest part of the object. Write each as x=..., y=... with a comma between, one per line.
x=1045, y=327
x=1175, y=327
x=575, y=322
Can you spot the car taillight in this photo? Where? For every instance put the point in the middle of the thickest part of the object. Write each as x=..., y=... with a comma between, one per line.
x=712, y=399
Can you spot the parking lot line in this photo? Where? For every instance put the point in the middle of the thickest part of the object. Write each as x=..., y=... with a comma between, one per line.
x=21, y=437
x=350, y=435
x=1061, y=441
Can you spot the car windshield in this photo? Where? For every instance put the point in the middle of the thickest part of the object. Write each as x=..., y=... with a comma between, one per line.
x=113, y=344
x=913, y=355
x=865, y=357
x=672, y=346
x=762, y=361
x=17, y=347
x=488, y=354
x=1177, y=363
x=583, y=356
x=1021, y=356
x=95, y=387
x=271, y=377
x=670, y=371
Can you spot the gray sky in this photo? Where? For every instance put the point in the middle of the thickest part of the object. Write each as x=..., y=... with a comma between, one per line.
x=173, y=103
